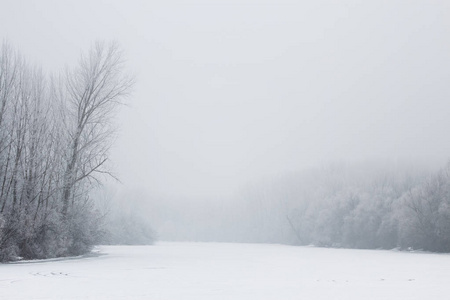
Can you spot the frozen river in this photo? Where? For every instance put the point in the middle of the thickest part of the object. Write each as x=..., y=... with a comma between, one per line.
x=231, y=271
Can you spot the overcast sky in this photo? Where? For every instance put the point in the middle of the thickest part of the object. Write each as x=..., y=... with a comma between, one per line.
x=230, y=91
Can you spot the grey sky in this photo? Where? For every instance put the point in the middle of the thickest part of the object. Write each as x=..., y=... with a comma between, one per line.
x=229, y=91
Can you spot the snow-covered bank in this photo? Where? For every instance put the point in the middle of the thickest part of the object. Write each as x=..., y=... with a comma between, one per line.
x=231, y=271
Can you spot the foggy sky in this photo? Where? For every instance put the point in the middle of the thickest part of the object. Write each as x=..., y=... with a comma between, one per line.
x=230, y=91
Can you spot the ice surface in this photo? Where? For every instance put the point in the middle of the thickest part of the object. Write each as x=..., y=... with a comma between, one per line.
x=231, y=271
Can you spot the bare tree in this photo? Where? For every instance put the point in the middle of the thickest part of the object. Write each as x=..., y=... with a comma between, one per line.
x=91, y=94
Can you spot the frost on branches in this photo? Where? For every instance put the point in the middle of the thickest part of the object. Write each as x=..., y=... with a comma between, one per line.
x=55, y=135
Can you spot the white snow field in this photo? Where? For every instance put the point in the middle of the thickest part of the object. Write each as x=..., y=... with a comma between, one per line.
x=231, y=271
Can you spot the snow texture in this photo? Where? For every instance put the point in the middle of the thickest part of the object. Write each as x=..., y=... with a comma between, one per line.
x=230, y=271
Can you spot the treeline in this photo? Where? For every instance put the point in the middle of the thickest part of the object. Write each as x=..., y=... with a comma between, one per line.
x=386, y=209
x=362, y=205
x=55, y=133
x=369, y=206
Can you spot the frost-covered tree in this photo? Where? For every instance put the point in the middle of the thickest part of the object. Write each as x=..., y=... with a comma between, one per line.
x=425, y=214
x=54, y=142
x=90, y=95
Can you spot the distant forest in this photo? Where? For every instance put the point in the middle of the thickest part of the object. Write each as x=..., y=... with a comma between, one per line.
x=361, y=205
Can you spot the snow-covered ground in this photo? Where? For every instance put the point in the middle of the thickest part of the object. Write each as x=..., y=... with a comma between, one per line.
x=231, y=271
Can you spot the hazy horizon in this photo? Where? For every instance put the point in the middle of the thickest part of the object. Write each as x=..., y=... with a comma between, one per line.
x=229, y=93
